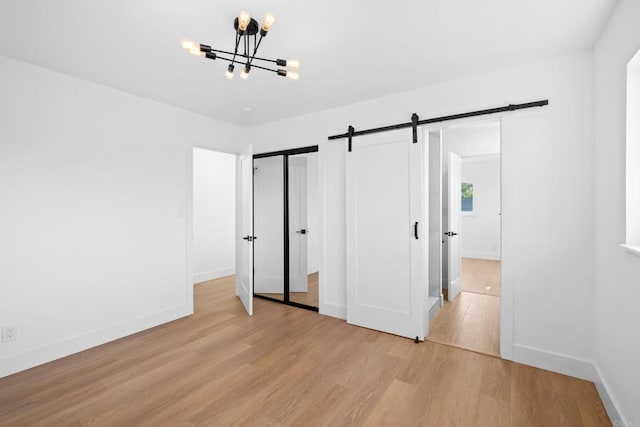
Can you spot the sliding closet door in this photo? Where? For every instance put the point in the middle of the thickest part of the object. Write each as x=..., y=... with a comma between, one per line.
x=268, y=221
x=386, y=233
x=298, y=229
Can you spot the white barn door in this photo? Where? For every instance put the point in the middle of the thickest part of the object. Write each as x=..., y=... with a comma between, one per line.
x=386, y=235
x=244, y=264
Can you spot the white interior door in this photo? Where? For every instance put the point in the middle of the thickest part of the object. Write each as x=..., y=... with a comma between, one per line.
x=454, y=279
x=298, y=231
x=434, y=154
x=244, y=265
x=268, y=180
x=386, y=260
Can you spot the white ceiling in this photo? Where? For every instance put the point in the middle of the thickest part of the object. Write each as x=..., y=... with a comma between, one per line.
x=350, y=51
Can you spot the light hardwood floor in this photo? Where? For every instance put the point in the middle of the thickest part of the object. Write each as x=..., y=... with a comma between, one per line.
x=286, y=366
x=471, y=321
x=481, y=276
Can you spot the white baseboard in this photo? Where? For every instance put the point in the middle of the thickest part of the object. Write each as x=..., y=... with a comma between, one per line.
x=608, y=399
x=37, y=356
x=223, y=272
x=482, y=255
x=332, y=310
x=555, y=362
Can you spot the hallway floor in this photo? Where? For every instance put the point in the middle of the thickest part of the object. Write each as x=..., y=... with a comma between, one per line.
x=471, y=321
x=481, y=276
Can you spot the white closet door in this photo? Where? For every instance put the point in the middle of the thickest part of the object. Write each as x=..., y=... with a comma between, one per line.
x=454, y=220
x=268, y=180
x=298, y=231
x=244, y=265
x=386, y=264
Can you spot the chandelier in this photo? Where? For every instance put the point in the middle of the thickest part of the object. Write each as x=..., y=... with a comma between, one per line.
x=244, y=53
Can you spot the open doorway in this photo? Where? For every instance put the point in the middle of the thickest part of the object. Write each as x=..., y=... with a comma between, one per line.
x=470, y=196
x=214, y=217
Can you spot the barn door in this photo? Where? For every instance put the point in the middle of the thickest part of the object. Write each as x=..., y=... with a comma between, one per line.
x=386, y=234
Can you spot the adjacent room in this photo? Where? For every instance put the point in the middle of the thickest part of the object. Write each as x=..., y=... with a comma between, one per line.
x=319, y=213
x=470, y=170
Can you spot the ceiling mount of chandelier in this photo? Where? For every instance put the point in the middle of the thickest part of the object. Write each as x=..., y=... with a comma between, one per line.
x=249, y=35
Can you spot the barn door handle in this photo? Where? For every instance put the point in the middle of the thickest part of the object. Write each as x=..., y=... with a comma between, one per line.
x=415, y=230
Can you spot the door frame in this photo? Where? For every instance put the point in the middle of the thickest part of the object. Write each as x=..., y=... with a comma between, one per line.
x=285, y=155
x=507, y=224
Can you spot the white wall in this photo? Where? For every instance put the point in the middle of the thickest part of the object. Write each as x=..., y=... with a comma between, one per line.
x=214, y=214
x=96, y=212
x=473, y=139
x=552, y=324
x=480, y=233
x=617, y=292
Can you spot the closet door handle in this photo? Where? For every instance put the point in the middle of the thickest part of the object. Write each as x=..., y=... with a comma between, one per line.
x=415, y=230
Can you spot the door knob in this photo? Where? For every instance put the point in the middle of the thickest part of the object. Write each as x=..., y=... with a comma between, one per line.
x=302, y=231
x=450, y=233
x=249, y=238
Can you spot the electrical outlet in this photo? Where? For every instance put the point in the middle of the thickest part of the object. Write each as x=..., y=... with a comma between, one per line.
x=9, y=333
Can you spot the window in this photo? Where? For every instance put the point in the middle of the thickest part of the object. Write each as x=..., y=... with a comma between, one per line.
x=633, y=156
x=467, y=197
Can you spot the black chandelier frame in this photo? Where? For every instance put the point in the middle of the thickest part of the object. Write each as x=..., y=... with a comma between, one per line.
x=250, y=39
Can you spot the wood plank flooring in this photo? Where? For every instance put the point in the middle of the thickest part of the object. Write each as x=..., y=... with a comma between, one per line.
x=471, y=321
x=286, y=366
x=481, y=276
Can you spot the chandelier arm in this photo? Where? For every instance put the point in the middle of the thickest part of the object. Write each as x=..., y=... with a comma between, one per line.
x=264, y=68
x=244, y=56
x=235, y=51
x=253, y=66
x=255, y=49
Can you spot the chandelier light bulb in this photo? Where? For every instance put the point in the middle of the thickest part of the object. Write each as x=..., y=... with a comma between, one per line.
x=243, y=20
x=244, y=75
x=196, y=50
x=229, y=73
x=294, y=64
x=268, y=22
x=292, y=75
x=188, y=44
